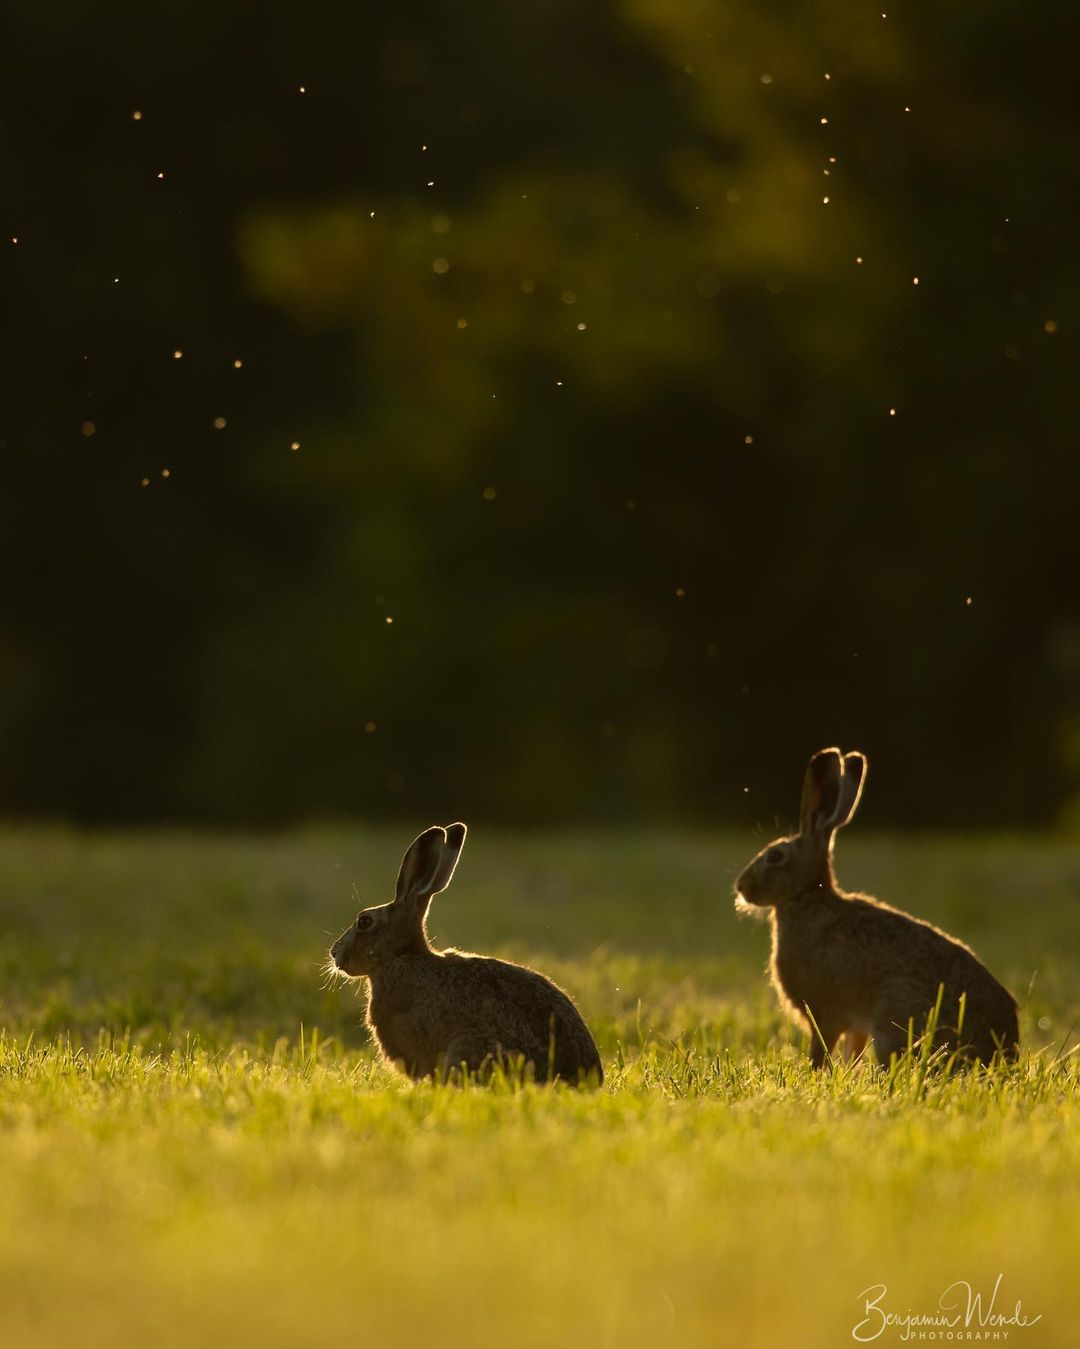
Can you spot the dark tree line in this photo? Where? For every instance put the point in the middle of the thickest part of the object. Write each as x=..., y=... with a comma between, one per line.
x=630, y=469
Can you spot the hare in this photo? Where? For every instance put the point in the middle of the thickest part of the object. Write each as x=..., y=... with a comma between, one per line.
x=848, y=963
x=434, y=1013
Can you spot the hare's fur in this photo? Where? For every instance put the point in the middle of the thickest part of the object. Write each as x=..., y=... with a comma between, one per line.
x=437, y=1013
x=848, y=964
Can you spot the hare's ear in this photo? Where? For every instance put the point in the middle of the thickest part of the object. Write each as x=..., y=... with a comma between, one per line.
x=429, y=863
x=851, y=788
x=455, y=841
x=420, y=865
x=821, y=792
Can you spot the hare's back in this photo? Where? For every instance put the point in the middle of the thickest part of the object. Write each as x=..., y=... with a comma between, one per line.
x=913, y=943
x=925, y=958
x=521, y=1011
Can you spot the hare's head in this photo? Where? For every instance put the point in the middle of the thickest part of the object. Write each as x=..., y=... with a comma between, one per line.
x=395, y=929
x=793, y=866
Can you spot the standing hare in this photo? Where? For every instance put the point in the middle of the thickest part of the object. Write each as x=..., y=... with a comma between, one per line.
x=848, y=963
x=438, y=1012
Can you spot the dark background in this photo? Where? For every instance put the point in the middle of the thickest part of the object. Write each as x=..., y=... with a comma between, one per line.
x=645, y=526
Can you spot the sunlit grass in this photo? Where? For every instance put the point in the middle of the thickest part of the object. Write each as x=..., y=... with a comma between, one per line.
x=197, y=1145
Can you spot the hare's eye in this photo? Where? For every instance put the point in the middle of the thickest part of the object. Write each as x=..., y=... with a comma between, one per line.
x=364, y=920
x=774, y=855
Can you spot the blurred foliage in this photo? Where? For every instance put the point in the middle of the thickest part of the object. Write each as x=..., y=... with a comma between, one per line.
x=660, y=485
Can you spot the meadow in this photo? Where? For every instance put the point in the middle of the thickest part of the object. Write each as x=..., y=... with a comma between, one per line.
x=197, y=1145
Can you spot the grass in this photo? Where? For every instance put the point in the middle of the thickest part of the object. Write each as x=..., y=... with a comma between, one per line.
x=197, y=1146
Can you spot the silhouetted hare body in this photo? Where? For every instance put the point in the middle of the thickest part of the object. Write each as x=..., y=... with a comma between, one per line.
x=853, y=964
x=436, y=1012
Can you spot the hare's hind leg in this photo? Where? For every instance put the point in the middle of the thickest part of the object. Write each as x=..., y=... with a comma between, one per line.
x=888, y=1039
x=823, y=1037
x=466, y=1056
x=853, y=1044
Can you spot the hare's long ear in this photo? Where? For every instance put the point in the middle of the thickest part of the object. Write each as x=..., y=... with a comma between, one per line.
x=420, y=865
x=851, y=788
x=821, y=792
x=429, y=863
x=455, y=841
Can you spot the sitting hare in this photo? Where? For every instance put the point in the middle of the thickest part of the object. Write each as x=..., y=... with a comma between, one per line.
x=436, y=1012
x=848, y=963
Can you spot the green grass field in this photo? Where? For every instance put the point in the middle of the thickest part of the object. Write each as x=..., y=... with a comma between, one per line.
x=197, y=1146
